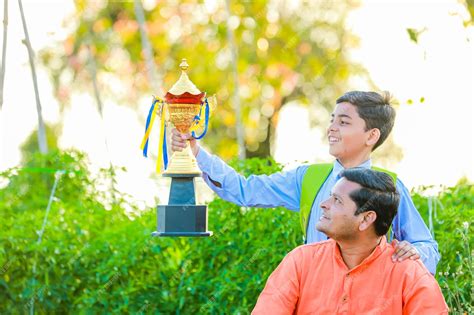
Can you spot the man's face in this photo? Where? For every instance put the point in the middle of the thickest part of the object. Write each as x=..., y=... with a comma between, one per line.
x=337, y=219
x=346, y=133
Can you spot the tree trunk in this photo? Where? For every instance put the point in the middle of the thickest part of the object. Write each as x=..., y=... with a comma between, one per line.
x=152, y=72
x=264, y=147
x=43, y=145
x=236, y=96
x=4, y=50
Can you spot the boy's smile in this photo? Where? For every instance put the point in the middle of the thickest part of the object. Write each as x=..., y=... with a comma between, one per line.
x=347, y=136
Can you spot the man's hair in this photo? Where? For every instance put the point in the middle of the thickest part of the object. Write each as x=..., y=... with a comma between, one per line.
x=374, y=109
x=378, y=193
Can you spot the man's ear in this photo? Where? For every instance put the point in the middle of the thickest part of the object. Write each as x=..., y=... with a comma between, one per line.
x=374, y=136
x=368, y=218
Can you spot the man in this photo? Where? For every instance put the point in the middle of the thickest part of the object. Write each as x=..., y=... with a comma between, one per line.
x=352, y=273
x=360, y=123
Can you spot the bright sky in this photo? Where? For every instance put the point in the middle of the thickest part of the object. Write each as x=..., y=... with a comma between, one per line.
x=437, y=136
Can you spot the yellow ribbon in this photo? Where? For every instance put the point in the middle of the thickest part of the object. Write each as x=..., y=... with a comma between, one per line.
x=147, y=132
x=159, y=167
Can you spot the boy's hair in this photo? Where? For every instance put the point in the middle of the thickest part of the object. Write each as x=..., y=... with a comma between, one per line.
x=374, y=109
x=378, y=193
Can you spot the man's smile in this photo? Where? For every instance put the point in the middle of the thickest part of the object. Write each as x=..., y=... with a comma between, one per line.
x=323, y=217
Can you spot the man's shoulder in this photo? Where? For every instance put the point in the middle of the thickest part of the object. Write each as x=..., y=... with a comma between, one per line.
x=410, y=270
x=310, y=250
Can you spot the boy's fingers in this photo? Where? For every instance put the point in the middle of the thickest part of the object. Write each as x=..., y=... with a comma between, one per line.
x=185, y=136
x=175, y=148
x=406, y=255
x=405, y=250
x=176, y=138
x=400, y=246
x=400, y=254
x=400, y=249
x=175, y=134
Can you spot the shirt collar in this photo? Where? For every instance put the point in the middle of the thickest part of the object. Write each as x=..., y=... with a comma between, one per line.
x=338, y=168
x=379, y=249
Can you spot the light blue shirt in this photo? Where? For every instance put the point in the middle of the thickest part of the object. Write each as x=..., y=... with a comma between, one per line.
x=284, y=189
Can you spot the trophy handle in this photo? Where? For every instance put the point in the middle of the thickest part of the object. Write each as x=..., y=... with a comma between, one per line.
x=160, y=108
x=197, y=119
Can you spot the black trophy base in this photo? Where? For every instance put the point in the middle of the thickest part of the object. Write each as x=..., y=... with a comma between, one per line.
x=182, y=220
x=182, y=234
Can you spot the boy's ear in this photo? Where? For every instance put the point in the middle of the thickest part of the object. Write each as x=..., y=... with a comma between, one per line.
x=374, y=136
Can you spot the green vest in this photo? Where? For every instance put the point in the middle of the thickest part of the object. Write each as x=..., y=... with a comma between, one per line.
x=313, y=180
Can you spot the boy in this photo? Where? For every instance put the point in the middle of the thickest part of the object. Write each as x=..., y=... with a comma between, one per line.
x=360, y=123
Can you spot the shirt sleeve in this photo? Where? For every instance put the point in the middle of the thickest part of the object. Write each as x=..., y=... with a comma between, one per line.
x=281, y=293
x=424, y=297
x=263, y=191
x=408, y=225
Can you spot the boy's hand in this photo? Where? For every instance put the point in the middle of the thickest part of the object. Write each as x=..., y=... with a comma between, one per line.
x=404, y=250
x=178, y=141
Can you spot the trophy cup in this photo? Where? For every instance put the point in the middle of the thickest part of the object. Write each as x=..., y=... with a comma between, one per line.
x=182, y=107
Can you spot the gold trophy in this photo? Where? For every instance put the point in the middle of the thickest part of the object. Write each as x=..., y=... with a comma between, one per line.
x=184, y=102
x=185, y=106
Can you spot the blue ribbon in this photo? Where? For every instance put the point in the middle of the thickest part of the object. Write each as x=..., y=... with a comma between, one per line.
x=206, y=121
x=165, y=152
x=145, y=149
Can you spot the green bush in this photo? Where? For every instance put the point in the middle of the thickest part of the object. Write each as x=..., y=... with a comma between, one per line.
x=452, y=221
x=97, y=254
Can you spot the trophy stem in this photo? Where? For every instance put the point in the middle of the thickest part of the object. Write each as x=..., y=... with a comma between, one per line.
x=183, y=162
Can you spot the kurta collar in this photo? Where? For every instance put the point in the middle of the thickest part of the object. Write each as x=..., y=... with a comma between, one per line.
x=378, y=250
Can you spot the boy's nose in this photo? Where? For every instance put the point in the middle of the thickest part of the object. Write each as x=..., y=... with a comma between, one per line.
x=332, y=127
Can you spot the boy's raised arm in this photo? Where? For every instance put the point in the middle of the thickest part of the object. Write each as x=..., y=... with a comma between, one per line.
x=264, y=191
x=278, y=189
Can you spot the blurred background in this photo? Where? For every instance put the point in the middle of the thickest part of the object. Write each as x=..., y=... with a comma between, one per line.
x=281, y=64
x=276, y=68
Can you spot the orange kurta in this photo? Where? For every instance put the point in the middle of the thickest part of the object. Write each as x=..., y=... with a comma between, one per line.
x=313, y=279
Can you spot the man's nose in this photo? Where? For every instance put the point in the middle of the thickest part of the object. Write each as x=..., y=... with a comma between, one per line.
x=324, y=204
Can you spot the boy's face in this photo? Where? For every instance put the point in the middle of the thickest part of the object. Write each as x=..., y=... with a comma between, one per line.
x=346, y=133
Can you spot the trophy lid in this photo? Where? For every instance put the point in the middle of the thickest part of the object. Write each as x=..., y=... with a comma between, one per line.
x=184, y=91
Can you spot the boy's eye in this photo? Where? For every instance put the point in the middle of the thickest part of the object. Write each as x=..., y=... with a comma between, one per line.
x=344, y=122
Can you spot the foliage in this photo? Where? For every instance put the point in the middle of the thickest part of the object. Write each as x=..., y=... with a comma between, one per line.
x=98, y=256
x=452, y=217
x=286, y=51
x=30, y=145
x=470, y=8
